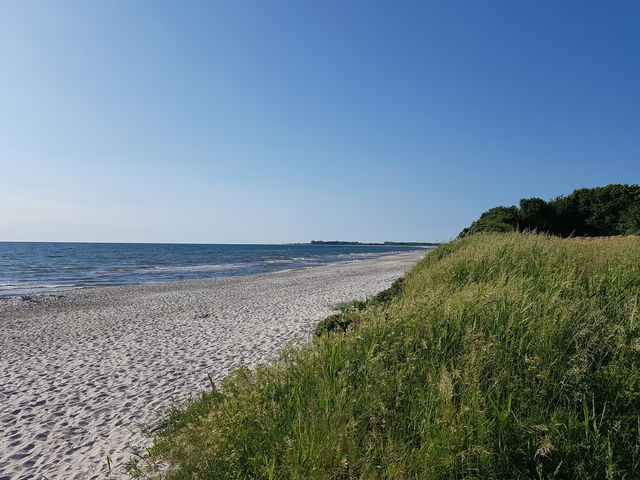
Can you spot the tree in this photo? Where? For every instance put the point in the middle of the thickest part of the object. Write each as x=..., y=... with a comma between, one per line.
x=536, y=214
x=497, y=219
x=630, y=224
x=609, y=210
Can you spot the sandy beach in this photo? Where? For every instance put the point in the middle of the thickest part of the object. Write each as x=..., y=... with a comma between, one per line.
x=79, y=369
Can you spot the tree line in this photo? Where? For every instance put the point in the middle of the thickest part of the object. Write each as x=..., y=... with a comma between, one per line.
x=601, y=211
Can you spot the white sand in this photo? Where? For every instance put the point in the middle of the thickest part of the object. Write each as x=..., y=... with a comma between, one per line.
x=79, y=370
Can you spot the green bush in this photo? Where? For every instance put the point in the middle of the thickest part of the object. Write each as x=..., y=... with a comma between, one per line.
x=601, y=211
x=631, y=220
x=340, y=323
x=333, y=324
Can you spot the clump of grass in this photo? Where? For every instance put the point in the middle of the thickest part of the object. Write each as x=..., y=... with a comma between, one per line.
x=380, y=298
x=340, y=322
x=502, y=356
x=344, y=307
x=333, y=324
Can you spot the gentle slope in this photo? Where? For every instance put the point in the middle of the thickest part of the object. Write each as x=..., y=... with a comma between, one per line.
x=503, y=356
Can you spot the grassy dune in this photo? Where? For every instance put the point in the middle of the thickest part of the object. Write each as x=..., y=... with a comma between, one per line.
x=502, y=356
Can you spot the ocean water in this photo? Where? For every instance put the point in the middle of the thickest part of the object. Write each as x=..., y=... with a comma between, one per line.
x=41, y=267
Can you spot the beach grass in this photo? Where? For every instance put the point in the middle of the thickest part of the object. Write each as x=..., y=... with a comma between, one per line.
x=499, y=356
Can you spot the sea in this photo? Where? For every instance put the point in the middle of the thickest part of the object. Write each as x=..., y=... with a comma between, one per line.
x=27, y=267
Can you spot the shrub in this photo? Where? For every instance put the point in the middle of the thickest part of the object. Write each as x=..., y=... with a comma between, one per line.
x=601, y=211
x=339, y=323
x=631, y=220
x=332, y=324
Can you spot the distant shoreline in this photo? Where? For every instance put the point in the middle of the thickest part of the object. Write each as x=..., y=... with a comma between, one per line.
x=338, y=243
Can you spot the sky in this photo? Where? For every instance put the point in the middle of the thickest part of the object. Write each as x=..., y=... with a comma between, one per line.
x=287, y=121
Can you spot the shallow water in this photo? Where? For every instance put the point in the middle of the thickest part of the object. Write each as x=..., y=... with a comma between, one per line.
x=27, y=267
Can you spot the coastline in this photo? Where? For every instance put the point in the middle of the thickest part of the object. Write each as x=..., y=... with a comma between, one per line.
x=82, y=367
x=49, y=267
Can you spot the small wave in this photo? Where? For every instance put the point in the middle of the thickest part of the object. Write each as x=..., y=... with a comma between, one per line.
x=193, y=268
x=20, y=286
x=359, y=255
x=27, y=289
x=314, y=259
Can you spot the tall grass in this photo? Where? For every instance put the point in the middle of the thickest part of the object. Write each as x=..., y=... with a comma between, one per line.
x=503, y=356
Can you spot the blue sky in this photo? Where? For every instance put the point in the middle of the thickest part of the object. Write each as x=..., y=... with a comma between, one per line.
x=285, y=121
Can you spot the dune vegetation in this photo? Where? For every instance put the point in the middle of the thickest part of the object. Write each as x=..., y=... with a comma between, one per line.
x=499, y=356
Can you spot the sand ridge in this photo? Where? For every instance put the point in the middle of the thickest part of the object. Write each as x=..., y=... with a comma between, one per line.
x=80, y=369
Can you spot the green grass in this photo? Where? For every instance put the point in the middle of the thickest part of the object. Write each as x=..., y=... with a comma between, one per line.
x=501, y=356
